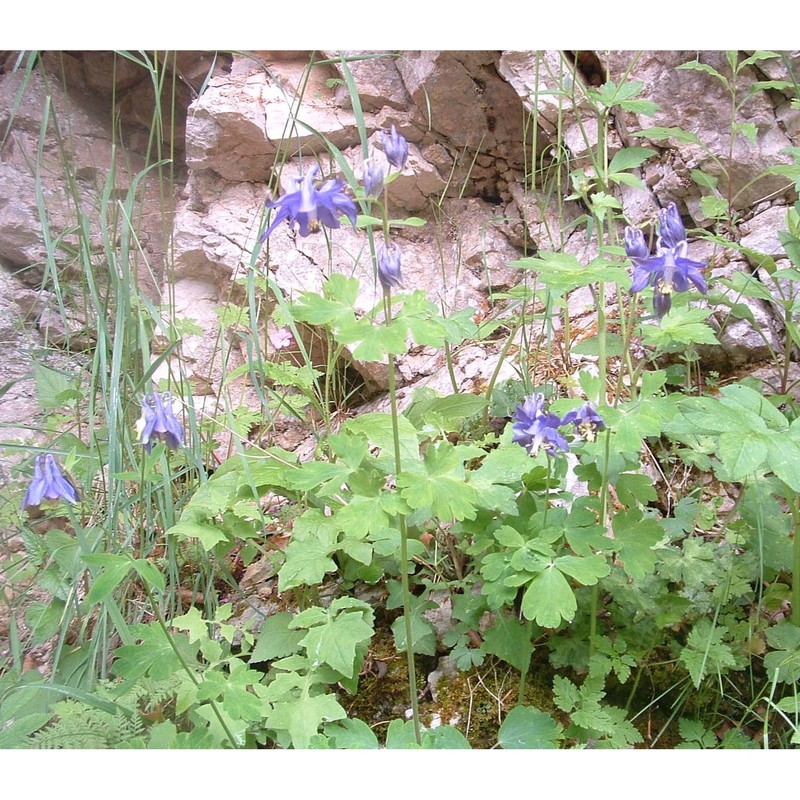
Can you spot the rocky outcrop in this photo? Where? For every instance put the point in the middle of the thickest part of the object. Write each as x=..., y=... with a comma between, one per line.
x=500, y=166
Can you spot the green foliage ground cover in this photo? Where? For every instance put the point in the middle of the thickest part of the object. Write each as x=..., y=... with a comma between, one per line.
x=603, y=606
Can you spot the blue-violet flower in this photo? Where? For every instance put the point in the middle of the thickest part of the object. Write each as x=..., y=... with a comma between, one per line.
x=395, y=147
x=158, y=422
x=669, y=270
x=49, y=483
x=310, y=207
x=374, y=175
x=586, y=420
x=389, y=266
x=534, y=427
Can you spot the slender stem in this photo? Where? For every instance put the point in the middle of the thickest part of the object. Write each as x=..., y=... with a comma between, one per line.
x=796, y=562
x=603, y=517
x=500, y=361
x=787, y=346
x=401, y=520
x=523, y=676
x=448, y=355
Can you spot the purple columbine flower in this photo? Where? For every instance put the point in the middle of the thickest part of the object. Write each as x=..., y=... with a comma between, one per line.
x=310, y=207
x=158, y=422
x=586, y=420
x=49, y=483
x=534, y=427
x=396, y=148
x=669, y=270
x=389, y=266
x=374, y=175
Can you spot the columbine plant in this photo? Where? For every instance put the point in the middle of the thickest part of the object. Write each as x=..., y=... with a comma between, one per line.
x=309, y=208
x=586, y=420
x=49, y=483
x=534, y=427
x=158, y=422
x=669, y=269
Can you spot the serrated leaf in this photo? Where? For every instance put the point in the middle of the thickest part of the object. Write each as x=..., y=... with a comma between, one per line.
x=276, y=639
x=423, y=634
x=783, y=458
x=52, y=386
x=528, y=728
x=441, y=485
x=742, y=455
x=748, y=130
x=113, y=573
x=303, y=716
x=377, y=428
x=634, y=488
x=714, y=207
x=634, y=539
x=307, y=563
x=510, y=640
x=314, y=474
x=374, y=342
x=449, y=411
x=335, y=641
x=209, y=534
x=705, y=651
x=561, y=272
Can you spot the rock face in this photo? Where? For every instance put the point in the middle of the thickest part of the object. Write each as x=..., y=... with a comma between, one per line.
x=502, y=163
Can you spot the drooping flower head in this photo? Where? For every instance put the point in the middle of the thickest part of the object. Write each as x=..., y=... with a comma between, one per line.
x=158, y=422
x=49, y=483
x=310, y=208
x=374, y=175
x=534, y=427
x=586, y=420
x=396, y=148
x=670, y=269
x=389, y=266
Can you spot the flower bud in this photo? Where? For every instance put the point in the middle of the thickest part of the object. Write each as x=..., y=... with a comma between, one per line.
x=373, y=178
x=396, y=148
x=389, y=266
x=635, y=245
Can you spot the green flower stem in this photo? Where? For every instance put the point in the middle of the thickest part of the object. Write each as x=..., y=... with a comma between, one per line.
x=500, y=361
x=626, y=347
x=448, y=355
x=523, y=676
x=796, y=562
x=401, y=520
x=603, y=521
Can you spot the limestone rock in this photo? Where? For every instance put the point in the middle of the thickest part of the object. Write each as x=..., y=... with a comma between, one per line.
x=244, y=120
x=761, y=232
x=700, y=104
x=377, y=80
